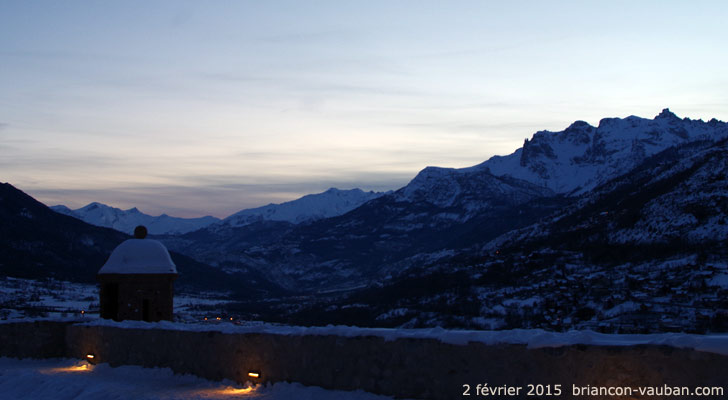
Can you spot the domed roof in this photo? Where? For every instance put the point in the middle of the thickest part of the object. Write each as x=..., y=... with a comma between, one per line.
x=139, y=256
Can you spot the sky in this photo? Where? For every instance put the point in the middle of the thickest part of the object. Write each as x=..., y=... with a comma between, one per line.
x=205, y=108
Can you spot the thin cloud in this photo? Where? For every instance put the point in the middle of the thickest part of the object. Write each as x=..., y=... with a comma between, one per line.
x=66, y=55
x=493, y=49
x=458, y=126
x=312, y=37
x=58, y=159
x=386, y=90
x=235, y=77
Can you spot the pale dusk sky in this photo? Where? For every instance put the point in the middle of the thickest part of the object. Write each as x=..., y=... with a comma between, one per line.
x=206, y=108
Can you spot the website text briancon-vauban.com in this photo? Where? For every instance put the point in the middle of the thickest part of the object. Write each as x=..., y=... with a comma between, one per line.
x=557, y=390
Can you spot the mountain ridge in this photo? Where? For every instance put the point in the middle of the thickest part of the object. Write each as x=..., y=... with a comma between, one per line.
x=637, y=248
x=450, y=211
x=569, y=162
x=643, y=252
x=329, y=203
x=580, y=157
x=100, y=214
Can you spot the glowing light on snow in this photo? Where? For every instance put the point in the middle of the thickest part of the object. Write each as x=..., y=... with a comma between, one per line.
x=85, y=367
x=238, y=391
x=227, y=391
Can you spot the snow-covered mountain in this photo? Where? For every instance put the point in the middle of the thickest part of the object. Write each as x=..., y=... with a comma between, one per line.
x=572, y=161
x=620, y=227
x=676, y=198
x=446, y=212
x=380, y=235
x=643, y=252
x=467, y=188
x=581, y=157
x=328, y=204
x=126, y=220
x=311, y=207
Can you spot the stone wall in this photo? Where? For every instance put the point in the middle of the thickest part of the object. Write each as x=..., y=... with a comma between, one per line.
x=410, y=368
x=37, y=339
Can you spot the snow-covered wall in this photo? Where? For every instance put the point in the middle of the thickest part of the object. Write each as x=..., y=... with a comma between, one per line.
x=406, y=367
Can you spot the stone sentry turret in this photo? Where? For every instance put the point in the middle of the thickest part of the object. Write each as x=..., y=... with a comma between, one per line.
x=137, y=281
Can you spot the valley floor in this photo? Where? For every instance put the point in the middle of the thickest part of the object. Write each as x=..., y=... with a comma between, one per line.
x=28, y=298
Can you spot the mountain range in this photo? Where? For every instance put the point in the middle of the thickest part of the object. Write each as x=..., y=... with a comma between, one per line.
x=126, y=220
x=328, y=204
x=618, y=227
x=39, y=243
x=642, y=251
x=311, y=207
x=444, y=211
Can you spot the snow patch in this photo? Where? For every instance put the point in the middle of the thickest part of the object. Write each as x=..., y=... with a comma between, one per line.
x=65, y=379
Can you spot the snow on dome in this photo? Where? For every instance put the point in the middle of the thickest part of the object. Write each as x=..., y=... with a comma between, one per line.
x=139, y=256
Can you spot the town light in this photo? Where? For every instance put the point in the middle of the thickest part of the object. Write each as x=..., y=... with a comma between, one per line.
x=254, y=374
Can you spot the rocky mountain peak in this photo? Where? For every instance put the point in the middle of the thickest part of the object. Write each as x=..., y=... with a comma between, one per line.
x=666, y=114
x=581, y=156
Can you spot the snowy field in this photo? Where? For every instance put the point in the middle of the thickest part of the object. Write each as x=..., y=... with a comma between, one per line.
x=23, y=298
x=62, y=379
x=28, y=298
